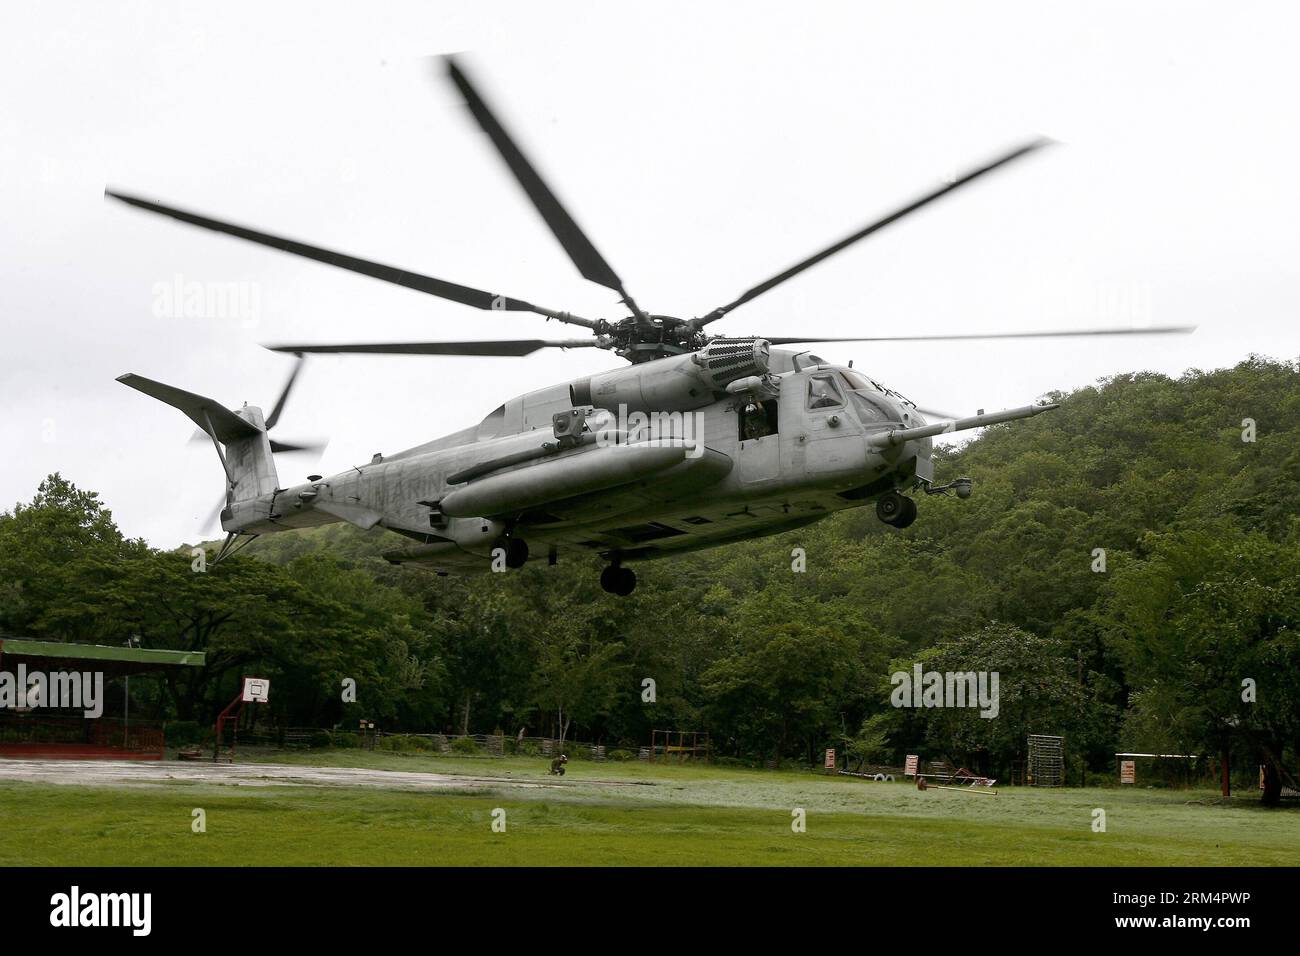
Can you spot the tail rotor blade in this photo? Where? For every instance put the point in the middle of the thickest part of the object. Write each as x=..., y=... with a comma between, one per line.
x=214, y=517
x=284, y=394
x=273, y=419
x=314, y=447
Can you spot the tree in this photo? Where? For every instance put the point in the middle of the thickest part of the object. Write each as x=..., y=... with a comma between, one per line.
x=39, y=541
x=1038, y=692
x=1209, y=627
x=785, y=685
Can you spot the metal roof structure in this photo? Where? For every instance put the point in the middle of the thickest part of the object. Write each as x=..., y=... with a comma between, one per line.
x=112, y=661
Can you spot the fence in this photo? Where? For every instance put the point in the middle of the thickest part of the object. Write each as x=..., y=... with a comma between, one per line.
x=102, y=733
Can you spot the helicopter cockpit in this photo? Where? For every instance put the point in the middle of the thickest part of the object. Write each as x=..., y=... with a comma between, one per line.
x=824, y=392
x=836, y=387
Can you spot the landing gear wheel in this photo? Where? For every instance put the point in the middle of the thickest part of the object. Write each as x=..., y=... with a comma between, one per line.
x=619, y=580
x=890, y=507
x=608, y=578
x=626, y=582
x=516, y=552
x=908, y=515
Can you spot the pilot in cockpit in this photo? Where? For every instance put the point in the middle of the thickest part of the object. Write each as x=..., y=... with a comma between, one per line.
x=822, y=394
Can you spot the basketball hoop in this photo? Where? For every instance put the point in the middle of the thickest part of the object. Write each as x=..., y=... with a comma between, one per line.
x=256, y=690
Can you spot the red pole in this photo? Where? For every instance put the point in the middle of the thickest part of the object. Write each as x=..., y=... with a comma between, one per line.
x=221, y=722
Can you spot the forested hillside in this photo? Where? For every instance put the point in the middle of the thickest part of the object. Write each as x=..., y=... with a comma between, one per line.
x=1200, y=592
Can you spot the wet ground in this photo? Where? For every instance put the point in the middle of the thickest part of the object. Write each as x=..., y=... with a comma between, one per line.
x=110, y=773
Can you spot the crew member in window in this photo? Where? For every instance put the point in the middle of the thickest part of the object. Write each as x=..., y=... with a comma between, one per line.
x=754, y=420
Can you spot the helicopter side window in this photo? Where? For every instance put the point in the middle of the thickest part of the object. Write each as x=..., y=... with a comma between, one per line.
x=757, y=419
x=824, y=393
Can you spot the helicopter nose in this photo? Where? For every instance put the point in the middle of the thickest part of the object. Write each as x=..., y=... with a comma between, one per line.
x=903, y=413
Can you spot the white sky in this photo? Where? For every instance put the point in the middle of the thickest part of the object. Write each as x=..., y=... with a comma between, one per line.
x=703, y=147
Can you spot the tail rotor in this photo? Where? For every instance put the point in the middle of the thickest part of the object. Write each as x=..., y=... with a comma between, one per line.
x=314, y=446
x=241, y=438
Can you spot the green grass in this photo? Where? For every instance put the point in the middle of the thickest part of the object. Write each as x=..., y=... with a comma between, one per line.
x=628, y=814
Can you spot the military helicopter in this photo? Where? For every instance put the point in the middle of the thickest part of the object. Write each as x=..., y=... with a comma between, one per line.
x=701, y=440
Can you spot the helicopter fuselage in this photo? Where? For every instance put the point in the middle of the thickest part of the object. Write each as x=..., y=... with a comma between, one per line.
x=669, y=456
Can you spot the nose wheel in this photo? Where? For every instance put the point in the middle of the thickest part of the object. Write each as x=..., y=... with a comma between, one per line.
x=619, y=580
x=896, y=510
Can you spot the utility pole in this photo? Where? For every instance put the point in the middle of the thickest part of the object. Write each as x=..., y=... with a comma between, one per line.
x=132, y=641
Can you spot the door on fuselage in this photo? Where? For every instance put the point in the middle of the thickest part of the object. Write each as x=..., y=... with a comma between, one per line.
x=833, y=432
x=820, y=434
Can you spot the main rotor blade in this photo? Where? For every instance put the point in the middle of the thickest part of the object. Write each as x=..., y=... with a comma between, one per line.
x=590, y=263
x=934, y=413
x=876, y=226
x=1151, y=330
x=411, y=280
x=508, y=347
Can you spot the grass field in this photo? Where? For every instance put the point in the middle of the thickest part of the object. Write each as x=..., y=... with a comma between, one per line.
x=626, y=814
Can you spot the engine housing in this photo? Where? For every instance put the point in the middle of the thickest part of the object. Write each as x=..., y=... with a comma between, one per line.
x=680, y=383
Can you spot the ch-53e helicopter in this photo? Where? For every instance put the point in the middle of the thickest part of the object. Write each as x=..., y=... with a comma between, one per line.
x=701, y=441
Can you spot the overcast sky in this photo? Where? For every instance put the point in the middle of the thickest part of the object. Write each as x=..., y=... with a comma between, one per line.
x=702, y=146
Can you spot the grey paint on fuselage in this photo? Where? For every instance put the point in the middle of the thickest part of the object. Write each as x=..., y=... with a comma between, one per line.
x=816, y=463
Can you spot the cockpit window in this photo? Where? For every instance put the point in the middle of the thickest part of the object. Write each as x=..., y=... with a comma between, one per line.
x=868, y=410
x=823, y=392
x=858, y=380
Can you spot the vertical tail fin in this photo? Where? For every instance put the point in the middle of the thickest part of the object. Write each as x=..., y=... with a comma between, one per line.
x=250, y=460
x=239, y=437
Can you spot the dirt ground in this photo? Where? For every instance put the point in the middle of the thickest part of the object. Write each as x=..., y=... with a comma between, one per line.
x=101, y=773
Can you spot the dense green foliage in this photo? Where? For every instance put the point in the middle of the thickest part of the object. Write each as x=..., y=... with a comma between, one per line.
x=1200, y=593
